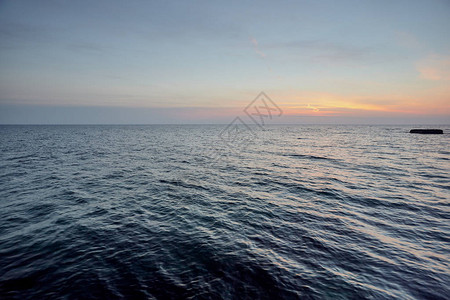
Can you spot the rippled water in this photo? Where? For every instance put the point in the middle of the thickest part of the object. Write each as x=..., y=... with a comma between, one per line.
x=302, y=212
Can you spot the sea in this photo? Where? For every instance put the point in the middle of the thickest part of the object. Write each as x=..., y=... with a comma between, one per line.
x=220, y=212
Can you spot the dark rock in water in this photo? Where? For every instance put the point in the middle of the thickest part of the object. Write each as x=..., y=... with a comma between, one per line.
x=427, y=131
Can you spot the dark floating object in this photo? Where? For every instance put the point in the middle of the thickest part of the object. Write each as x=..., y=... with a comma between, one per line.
x=427, y=131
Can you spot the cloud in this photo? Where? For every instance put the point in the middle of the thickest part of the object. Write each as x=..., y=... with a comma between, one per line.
x=407, y=40
x=432, y=102
x=255, y=45
x=435, y=67
x=325, y=51
x=17, y=35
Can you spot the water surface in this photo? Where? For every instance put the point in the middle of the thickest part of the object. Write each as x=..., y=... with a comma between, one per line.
x=310, y=212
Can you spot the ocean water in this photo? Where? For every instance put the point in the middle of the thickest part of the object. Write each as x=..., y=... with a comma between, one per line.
x=187, y=212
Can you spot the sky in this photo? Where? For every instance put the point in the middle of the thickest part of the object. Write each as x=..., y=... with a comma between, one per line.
x=176, y=62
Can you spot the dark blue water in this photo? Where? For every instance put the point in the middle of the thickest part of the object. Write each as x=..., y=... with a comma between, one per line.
x=301, y=212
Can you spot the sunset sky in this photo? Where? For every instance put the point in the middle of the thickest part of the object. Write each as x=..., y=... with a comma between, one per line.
x=204, y=61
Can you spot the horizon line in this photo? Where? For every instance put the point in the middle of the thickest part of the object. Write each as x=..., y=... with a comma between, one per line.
x=219, y=124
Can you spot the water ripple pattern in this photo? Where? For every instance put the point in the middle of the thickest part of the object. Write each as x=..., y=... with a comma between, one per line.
x=304, y=212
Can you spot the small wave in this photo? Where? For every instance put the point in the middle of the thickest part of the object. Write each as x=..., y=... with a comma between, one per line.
x=305, y=156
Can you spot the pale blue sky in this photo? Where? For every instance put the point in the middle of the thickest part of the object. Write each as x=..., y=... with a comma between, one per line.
x=391, y=57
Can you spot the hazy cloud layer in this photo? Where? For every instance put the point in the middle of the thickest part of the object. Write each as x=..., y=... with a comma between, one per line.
x=352, y=59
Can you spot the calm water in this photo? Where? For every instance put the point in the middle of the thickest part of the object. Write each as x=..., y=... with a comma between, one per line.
x=310, y=212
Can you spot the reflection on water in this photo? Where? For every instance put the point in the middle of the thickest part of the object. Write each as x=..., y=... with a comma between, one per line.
x=303, y=212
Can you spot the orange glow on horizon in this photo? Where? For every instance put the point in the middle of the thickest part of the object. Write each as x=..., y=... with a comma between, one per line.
x=323, y=104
